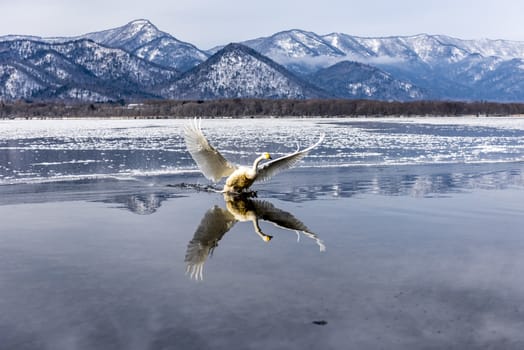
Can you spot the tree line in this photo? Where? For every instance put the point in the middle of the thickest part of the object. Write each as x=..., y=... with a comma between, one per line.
x=159, y=109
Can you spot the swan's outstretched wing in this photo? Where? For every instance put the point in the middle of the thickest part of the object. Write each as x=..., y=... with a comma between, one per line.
x=212, y=164
x=283, y=219
x=269, y=169
x=213, y=226
x=268, y=212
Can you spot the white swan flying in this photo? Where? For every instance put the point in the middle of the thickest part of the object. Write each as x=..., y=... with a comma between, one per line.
x=239, y=178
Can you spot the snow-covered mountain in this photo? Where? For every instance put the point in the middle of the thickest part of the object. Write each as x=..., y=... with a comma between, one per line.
x=140, y=38
x=138, y=60
x=357, y=80
x=445, y=67
x=424, y=48
x=237, y=71
x=128, y=37
x=300, y=51
x=170, y=52
x=79, y=69
x=146, y=41
x=296, y=45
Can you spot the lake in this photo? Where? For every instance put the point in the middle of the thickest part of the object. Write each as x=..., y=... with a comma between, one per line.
x=395, y=233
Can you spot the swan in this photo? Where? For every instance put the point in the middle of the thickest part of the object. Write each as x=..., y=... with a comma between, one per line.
x=239, y=178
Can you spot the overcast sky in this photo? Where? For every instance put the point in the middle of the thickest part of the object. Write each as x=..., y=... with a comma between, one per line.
x=209, y=23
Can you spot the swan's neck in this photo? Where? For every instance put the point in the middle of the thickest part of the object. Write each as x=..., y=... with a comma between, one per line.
x=255, y=163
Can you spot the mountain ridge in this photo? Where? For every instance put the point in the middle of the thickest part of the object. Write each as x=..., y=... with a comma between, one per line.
x=138, y=60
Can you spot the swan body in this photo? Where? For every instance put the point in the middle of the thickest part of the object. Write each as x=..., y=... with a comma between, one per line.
x=243, y=177
x=239, y=178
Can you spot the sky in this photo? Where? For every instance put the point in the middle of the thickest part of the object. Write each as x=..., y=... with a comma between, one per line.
x=210, y=23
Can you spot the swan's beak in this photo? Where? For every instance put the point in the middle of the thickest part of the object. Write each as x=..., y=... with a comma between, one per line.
x=267, y=238
x=267, y=156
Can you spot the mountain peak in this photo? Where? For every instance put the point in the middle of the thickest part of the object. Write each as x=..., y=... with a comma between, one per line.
x=300, y=47
x=142, y=25
x=294, y=31
x=238, y=47
x=128, y=37
x=141, y=21
x=237, y=71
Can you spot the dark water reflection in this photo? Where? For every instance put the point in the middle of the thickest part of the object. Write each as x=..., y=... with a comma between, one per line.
x=141, y=204
x=414, y=181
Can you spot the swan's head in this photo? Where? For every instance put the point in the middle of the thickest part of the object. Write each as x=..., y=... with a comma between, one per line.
x=267, y=156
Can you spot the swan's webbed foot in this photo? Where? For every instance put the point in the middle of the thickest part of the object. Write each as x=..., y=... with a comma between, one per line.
x=266, y=238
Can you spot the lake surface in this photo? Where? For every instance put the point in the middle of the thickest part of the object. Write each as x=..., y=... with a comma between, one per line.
x=393, y=234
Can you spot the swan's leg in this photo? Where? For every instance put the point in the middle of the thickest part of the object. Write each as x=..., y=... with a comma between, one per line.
x=265, y=238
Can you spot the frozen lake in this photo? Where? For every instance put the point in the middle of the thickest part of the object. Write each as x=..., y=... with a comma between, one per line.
x=409, y=236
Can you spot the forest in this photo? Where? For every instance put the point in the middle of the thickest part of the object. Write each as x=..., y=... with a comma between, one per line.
x=163, y=109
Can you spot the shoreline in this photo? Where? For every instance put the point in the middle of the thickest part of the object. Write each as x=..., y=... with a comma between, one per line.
x=253, y=108
x=259, y=117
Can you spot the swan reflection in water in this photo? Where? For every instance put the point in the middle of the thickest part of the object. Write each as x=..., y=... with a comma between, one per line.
x=218, y=221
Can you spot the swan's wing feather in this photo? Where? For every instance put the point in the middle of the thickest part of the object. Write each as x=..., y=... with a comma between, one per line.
x=269, y=169
x=213, y=226
x=212, y=164
x=285, y=220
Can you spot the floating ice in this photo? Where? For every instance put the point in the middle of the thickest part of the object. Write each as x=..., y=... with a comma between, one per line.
x=54, y=149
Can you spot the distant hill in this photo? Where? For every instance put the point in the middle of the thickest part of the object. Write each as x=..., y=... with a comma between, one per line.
x=359, y=81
